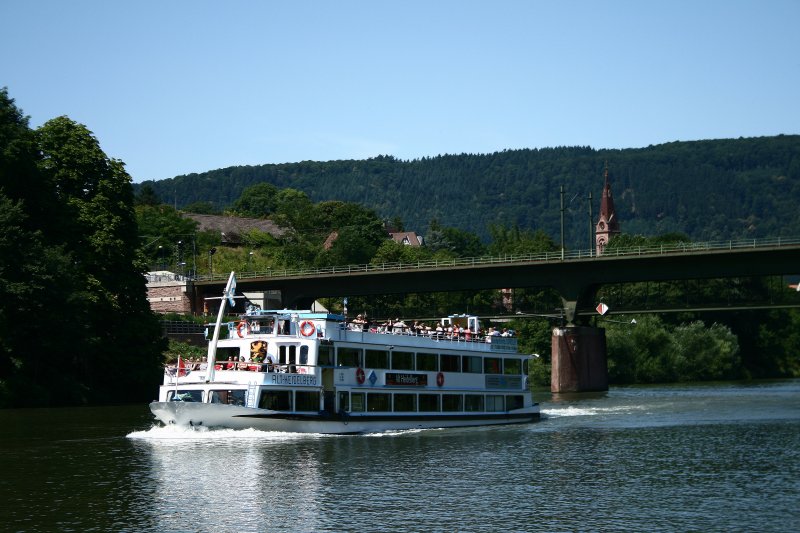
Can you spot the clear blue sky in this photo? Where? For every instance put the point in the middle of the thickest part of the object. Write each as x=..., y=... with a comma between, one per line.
x=173, y=87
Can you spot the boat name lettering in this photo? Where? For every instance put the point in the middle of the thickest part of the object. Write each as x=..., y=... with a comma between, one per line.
x=416, y=380
x=293, y=379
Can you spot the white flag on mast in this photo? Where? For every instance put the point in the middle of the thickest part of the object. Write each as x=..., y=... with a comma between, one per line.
x=232, y=290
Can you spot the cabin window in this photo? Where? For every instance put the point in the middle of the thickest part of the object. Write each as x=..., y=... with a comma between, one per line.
x=514, y=401
x=491, y=365
x=325, y=355
x=450, y=363
x=472, y=364
x=265, y=325
x=405, y=402
x=277, y=400
x=379, y=402
x=429, y=403
x=287, y=355
x=427, y=361
x=402, y=361
x=525, y=367
x=349, y=357
x=229, y=397
x=185, y=395
x=306, y=401
x=473, y=402
x=377, y=359
x=358, y=402
x=303, y=355
x=495, y=403
x=511, y=366
x=344, y=401
x=452, y=402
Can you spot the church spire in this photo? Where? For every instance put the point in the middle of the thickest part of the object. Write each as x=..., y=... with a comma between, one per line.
x=608, y=223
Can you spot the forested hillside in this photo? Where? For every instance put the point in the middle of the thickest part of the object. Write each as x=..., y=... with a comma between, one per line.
x=714, y=189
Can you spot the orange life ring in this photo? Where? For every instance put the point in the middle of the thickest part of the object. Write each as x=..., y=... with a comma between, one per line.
x=439, y=379
x=360, y=376
x=242, y=325
x=307, y=328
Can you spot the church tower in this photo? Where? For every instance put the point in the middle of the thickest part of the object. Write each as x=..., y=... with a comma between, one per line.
x=608, y=224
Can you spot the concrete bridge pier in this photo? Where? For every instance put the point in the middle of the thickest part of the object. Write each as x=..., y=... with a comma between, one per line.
x=578, y=359
x=578, y=352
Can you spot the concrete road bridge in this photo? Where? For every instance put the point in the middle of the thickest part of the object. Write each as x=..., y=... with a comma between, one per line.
x=578, y=350
x=575, y=275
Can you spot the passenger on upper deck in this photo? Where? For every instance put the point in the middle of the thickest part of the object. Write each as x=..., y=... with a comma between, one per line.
x=360, y=323
x=399, y=326
x=270, y=366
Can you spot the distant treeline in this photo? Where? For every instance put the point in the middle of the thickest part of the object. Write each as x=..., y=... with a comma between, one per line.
x=708, y=190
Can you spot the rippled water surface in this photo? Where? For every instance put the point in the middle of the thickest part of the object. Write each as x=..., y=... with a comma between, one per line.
x=723, y=457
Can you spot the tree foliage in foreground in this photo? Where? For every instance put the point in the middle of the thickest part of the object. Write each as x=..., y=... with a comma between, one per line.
x=76, y=324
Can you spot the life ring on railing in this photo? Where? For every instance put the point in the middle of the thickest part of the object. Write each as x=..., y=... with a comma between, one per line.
x=242, y=326
x=307, y=328
x=439, y=379
x=360, y=376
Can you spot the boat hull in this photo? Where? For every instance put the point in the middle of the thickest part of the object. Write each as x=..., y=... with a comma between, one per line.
x=195, y=414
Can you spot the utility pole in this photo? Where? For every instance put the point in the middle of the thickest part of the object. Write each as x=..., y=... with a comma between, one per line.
x=591, y=226
x=562, y=222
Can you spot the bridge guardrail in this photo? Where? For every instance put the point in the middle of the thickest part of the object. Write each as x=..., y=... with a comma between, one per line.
x=516, y=258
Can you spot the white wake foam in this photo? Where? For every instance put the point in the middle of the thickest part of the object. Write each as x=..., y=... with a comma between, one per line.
x=589, y=411
x=175, y=433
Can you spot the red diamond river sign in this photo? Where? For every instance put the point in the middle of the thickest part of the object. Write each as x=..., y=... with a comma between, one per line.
x=602, y=308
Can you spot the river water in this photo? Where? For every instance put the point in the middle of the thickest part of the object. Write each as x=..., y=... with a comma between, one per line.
x=721, y=457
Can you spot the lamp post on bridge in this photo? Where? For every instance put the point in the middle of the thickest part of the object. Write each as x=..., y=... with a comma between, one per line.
x=211, y=253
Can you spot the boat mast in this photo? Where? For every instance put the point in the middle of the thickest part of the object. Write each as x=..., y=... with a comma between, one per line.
x=227, y=296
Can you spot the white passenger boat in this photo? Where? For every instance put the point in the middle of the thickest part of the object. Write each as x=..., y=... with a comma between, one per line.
x=300, y=371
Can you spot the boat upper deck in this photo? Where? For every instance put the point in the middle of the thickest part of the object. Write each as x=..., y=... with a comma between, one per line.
x=457, y=332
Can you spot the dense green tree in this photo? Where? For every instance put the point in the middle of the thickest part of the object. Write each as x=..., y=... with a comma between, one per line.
x=258, y=201
x=160, y=227
x=292, y=209
x=652, y=351
x=146, y=196
x=458, y=242
x=515, y=240
x=37, y=283
x=120, y=343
